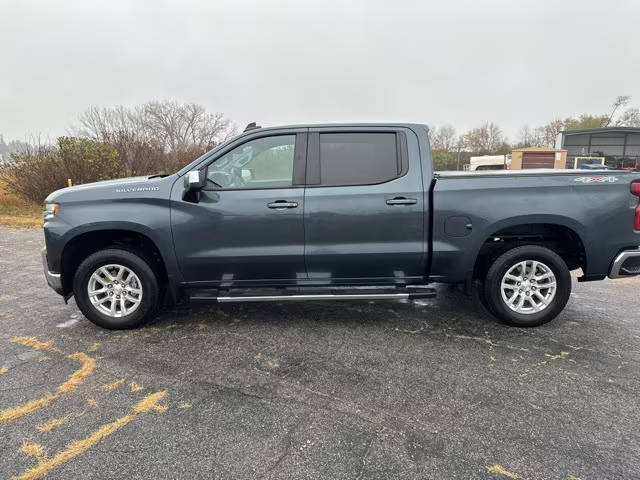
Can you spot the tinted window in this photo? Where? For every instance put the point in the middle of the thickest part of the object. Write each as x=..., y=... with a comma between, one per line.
x=262, y=163
x=358, y=158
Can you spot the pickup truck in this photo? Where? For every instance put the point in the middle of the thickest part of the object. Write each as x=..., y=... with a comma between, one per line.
x=345, y=211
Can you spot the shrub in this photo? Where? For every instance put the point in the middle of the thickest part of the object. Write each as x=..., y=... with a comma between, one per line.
x=38, y=171
x=84, y=160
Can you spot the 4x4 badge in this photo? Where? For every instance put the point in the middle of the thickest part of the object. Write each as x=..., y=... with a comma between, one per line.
x=596, y=179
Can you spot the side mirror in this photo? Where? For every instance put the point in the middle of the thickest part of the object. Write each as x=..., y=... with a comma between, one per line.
x=194, y=181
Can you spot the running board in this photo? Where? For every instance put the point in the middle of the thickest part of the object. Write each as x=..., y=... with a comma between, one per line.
x=306, y=294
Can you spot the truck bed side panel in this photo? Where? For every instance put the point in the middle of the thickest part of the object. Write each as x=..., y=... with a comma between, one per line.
x=600, y=213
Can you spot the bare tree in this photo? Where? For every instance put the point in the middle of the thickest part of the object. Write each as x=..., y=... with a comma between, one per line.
x=546, y=134
x=487, y=138
x=528, y=137
x=170, y=124
x=630, y=118
x=444, y=138
x=620, y=101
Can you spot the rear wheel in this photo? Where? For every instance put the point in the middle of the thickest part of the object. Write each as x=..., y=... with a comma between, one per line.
x=527, y=286
x=116, y=289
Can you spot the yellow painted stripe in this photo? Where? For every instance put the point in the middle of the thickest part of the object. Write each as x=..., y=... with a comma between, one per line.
x=74, y=380
x=80, y=446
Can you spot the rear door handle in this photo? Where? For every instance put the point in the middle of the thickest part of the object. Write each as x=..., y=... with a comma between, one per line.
x=282, y=204
x=402, y=201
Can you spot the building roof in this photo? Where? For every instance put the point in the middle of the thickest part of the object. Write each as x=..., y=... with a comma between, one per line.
x=602, y=130
x=538, y=149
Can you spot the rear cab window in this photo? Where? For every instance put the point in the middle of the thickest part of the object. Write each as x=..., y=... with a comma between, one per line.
x=355, y=158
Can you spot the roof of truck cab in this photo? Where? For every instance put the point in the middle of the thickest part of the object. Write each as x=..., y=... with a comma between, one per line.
x=341, y=125
x=602, y=130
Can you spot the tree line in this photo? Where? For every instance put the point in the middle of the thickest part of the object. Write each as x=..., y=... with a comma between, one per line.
x=162, y=137
x=451, y=150
x=106, y=143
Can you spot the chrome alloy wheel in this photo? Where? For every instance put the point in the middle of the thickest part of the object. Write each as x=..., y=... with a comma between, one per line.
x=115, y=290
x=528, y=287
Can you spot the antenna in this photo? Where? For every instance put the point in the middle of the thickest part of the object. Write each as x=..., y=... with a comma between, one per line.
x=251, y=126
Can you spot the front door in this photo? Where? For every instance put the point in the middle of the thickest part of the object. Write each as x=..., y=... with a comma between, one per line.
x=364, y=206
x=248, y=223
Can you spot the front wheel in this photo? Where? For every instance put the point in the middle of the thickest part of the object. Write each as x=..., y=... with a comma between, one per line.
x=527, y=286
x=116, y=289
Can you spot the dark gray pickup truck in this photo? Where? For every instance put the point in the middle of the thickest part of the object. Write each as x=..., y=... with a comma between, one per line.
x=315, y=212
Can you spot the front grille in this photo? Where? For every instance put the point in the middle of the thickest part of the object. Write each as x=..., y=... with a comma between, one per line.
x=631, y=266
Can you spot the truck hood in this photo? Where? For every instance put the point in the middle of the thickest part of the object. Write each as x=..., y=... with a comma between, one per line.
x=120, y=185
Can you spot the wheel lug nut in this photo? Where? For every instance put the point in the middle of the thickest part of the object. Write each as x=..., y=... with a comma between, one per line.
x=109, y=286
x=518, y=283
x=111, y=294
x=117, y=296
x=520, y=290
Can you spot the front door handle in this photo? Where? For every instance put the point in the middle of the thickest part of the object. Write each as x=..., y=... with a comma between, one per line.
x=402, y=201
x=282, y=204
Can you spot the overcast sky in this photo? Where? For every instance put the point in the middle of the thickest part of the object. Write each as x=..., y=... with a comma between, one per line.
x=278, y=62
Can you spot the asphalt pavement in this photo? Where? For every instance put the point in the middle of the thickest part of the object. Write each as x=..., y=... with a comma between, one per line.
x=430, y=389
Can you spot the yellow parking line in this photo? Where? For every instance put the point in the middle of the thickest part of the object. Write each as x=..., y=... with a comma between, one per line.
x=80, y=446
x=111, y=386
x=74, y=380
x=500, y=470
x=36, y=344
x=51, y=424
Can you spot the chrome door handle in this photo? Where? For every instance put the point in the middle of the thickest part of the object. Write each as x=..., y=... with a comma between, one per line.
x=402, y=201
x=281, y=204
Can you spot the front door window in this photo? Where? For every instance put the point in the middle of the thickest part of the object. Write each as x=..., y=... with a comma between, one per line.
x=265, y=162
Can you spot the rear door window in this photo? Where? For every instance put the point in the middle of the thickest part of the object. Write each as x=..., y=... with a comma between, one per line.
x=358, y=158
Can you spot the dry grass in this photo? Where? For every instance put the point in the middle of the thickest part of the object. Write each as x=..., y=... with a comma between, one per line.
x=72, y=383
x=135, y=387
x=500, y=470
x=32, y=449
x=77, y=377
x=36, y=344
x=111, y=386
x=50, y=425
x=46, y=465
x=17, y=212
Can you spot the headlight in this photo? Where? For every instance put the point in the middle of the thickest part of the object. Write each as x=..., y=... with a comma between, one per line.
x=50, y=210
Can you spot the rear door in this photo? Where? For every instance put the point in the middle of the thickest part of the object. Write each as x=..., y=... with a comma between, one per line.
x=364, y=205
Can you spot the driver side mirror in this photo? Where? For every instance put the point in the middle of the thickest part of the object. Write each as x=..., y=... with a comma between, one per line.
x=194, y=181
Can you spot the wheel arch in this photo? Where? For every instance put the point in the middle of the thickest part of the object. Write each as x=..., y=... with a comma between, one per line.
x=563, y=235
x=83, y=242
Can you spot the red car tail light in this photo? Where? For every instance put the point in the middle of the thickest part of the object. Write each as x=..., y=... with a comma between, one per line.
x=635, y=190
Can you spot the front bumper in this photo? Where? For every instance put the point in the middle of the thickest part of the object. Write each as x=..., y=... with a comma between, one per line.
x=53, y=279
x=626, y=264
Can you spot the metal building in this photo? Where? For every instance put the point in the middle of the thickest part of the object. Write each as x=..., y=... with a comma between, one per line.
x=614, y=147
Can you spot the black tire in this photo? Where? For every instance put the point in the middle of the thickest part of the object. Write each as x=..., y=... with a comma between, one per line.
x=506, y=261
x=137, y=264
x=482, y=297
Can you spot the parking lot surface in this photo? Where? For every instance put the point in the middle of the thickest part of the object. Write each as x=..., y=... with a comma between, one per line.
x=433, y=389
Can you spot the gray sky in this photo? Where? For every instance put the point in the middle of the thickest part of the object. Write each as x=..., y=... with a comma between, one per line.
x=437, y=62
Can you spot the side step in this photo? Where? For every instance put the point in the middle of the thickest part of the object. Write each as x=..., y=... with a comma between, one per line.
x=309, y=293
